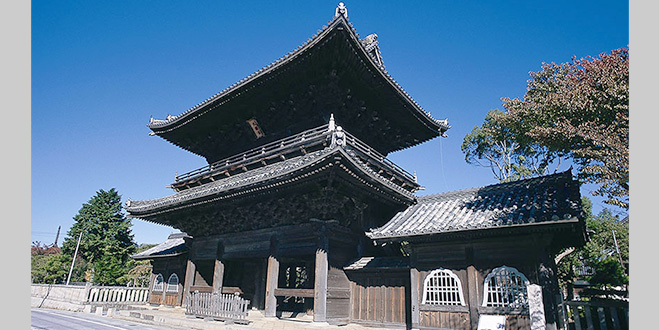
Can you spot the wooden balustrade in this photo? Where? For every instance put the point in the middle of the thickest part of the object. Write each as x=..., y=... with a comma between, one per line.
x=294, y=143
x=305, y=139
x=216, y=306
x=117, y=295
x=590, y=315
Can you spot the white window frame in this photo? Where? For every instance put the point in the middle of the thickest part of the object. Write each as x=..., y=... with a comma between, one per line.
x=158, y=285
x=169, y=283
x=509, y=289
x=443, y=287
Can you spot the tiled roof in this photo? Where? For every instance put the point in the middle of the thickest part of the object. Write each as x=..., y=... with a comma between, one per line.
x=339, y=22
x=378, y=263
x=173, y=246
x=266, y=177
x=548, y=199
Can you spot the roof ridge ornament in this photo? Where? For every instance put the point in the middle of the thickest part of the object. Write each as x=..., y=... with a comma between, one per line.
x=331, y=126
x=338, y=137
x=341, y=10
x=372, y=47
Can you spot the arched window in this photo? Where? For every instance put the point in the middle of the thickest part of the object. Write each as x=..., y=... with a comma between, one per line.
x=442, y=287
x=158, y=283
x=172, y=283
x=505, y=287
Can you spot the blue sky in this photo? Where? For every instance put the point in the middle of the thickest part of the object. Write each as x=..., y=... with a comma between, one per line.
x=101, y=69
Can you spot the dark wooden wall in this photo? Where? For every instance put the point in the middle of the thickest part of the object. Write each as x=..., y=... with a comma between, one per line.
x=166, y=267
x=444, y=320
x=472, y=260
x=379, y=298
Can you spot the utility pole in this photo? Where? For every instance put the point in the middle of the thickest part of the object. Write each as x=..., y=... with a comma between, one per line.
x=75, y=254
x=617, y=248
x=57, y=237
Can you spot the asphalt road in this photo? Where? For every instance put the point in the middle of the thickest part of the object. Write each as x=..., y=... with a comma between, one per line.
x=49, y=319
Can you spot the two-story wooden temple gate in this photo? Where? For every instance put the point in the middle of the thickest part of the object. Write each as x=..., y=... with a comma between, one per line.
x=290, y=198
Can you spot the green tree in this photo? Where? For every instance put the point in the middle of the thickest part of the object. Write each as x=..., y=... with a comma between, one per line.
x=46, y=263
x=49, y=269
x=510, y=156
x=577, y=110
x=107, y=241
x=139, y=270
x=599, y=254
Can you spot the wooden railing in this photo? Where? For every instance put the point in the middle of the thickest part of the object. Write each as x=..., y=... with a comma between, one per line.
x=366, y=150
x=216, y=306
x=299, y=142
x=117, y=295
x=591, y=315
x=305, y=139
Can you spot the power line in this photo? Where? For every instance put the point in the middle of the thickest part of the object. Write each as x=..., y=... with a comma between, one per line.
x=441, y=163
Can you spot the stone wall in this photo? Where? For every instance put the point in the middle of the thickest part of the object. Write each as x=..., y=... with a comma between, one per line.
x=58, y=296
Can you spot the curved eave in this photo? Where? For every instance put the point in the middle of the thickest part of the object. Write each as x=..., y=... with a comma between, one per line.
x=573, y=225
x=159, y=256
x=435, y=127
x=324, y=160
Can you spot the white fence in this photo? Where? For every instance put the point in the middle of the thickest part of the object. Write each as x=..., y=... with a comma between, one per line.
x=117, y=295
x=88, y=294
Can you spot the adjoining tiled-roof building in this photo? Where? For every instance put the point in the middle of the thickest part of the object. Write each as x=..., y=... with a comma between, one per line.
x=483, y=239
x=299, y=209
x=551, y=201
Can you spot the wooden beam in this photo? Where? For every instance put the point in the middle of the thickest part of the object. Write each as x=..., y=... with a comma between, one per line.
x=306, y=293
x=320, y=282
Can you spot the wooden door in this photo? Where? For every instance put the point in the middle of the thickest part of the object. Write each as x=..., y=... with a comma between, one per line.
x=379, y=298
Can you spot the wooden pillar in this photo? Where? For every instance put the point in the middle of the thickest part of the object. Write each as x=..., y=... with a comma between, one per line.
x=320, y=282
x=190, y=270
x=259, y=284
x=271, y=280
x=218, y=276
x=473, y=288
x=272, y=277
x=415, y=296
x=164, y=290
x=548, y=280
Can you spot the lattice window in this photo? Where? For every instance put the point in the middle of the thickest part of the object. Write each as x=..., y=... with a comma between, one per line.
x=158, y=283
x=505, y=287
x=172, y=283
x=442, y=287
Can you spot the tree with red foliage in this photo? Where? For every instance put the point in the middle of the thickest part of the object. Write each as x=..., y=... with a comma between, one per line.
x=42, y=249
x=577, y=110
